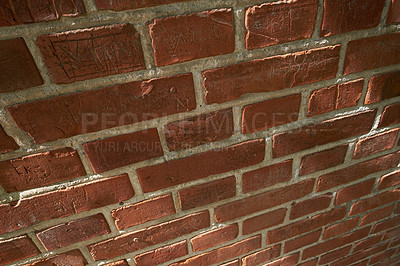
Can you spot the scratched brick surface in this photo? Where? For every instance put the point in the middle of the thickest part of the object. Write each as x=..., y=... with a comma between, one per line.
x=91, y=53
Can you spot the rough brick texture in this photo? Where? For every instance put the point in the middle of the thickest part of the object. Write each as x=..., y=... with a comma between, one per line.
x=184, y=38
x=394, y=12
x=262, y=256
x=214, y=238
x=73, y=257
x=374, y=144
x=7, y=143
x=390, y=115
x=124, y=5
x=162, y=254
x=383, y=87
x=16, y=249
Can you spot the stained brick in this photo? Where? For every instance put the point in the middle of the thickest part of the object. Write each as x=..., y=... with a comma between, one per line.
x=7, y=143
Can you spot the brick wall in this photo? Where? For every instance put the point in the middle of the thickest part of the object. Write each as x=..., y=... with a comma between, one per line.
x=225, y=132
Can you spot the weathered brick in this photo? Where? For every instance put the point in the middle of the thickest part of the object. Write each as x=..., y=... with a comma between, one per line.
x=376, y=143
x=73, y=257
x=133, y=4
x=263, y=201
x=302, y=241
x=390, y=115
x=91, y=53
x=385, y=225
x=310, y=205
x=16, y=249
x=94, y=110
x=279, y=22
x=17, y=12
x=383, y=87
x=18, y=70
x=394, y=12
x=375, y=201
x=304, y=226
x=149, y=236
x=357, y=171
x=366, y=243
x=231, y=263
x=262, y=256
x=288, y=260
x=309, y=263
x=144, y=211
x=271, y=113
x=382, y=256
x=340, y=228
x=122, y=150
x=335, y=243
x=335, y=97
x=64, y=202
x=198, y=130
x=207, y=193
x=377, y=215
x=162, y=255
x=355, y=191
x=389, y=180
x=322, y=160
x=171, y=173
x=76, y=231
x=215, y=237
x=360, y=255
x=187, y=37
x=267, y=176
x=394, y=233
x=263, y=221
x=117, y=263
x=223, y=253
x=322, y=133
x=270, y=74
x=334, y=255
x=7, y=143
x=373, y=52
x=342, y=16
x=40, y=169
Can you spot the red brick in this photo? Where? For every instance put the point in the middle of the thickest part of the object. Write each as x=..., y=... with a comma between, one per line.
x=302, y=241
x=342, y=16
x=163, y=254
x=309, y=263
x=340, y=228
x=94, y=110
x=263, y=221
x=354, y=192
x=311, y=205
x=373, y=52
x=357, y=171
x=369, y=242
x=171, y=173
x=377, y=215
x=144, y=211
x=16, y=249
x=288, y=260
x=382, y=256
x=397, y=210
x=389, y=180
x=322, y=133
x=394, y=12
x=394, y=233
x=149, y=236
x=205, y=194
x=76, y=231
x=64, y=202
x=322, y=160
x=40, y=169
x=385, y=225
x=390, y=115
x=91, y=53
x=280, y=22
x=18, y=69
x=231, y=263
x=335, y=243
x=188, y=37
x=335, y=97
x=262, y=256
x=134, y=4
x=304, y=226
x=334, y=255
x=374, y=144
x=73, y=257
x=394, y=243
x=198, y=130
x=270, y=74
x=360, y=255
x=7, y=143
x=118, y=263
x=271, y=113
x=383, y=87
x=215, y=237
x=224, y=253
x=267, y=176
x=17, y=12
x=123, y=150
x=393, y=261
x=263, y=201
x=375, y=201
